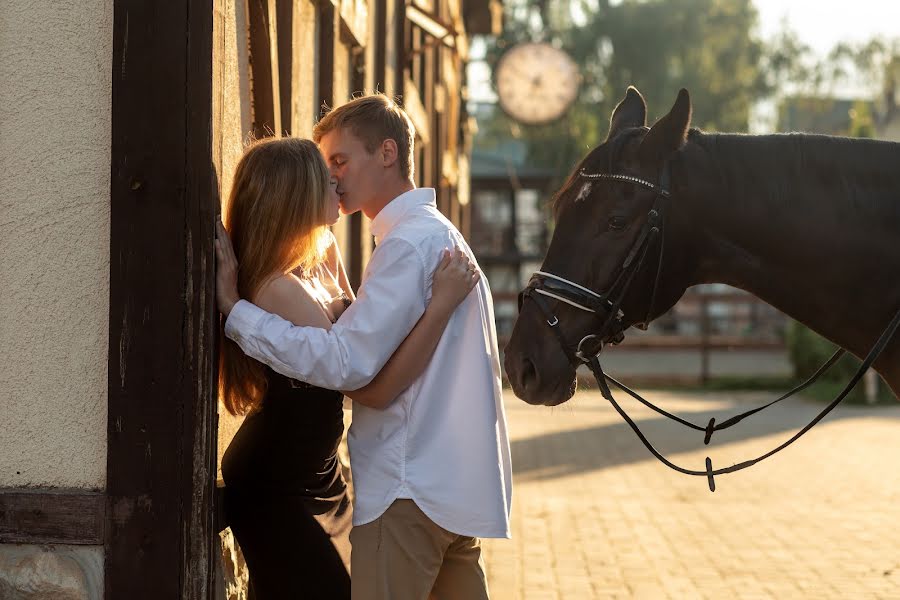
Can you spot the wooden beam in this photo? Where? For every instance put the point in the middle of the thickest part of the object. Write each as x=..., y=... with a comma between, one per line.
x=400, y=52
x=379, y=44
x=355, y=21
x=162, y=399
x=412, y=104
x=264, y=68
x=443, y=32
x=52, y=516
x=285, y=57
x=326, y=56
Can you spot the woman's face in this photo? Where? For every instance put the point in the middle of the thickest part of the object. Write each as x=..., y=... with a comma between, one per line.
x=332, y=202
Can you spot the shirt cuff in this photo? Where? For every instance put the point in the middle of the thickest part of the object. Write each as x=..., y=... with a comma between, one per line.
x=243, y=320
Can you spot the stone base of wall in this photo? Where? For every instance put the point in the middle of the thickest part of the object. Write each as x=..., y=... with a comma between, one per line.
x=232, y=575
x=51, y=572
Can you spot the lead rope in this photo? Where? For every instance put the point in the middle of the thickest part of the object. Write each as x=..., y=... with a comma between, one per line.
x=710, y=473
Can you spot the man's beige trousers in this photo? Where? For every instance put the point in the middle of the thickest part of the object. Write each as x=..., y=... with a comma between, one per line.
x=404, y=555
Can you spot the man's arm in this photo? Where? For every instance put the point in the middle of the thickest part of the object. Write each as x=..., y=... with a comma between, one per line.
x=359, y=344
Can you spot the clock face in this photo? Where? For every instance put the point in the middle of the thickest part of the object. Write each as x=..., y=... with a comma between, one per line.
x=536, y=82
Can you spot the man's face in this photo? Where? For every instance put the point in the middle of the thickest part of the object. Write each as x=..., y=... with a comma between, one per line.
x=357, y=172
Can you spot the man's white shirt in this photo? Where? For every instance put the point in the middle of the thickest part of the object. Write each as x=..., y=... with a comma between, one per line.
x=443, y=442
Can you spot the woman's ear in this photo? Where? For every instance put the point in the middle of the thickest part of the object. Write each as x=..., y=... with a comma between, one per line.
x=389, y=152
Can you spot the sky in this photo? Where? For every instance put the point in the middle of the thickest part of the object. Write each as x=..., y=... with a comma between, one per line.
x=823, y=23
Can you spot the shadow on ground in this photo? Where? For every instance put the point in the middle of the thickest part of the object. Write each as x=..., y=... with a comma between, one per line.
x=561, y=453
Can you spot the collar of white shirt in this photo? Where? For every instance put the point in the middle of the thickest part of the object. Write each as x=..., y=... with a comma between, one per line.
x=391, y=214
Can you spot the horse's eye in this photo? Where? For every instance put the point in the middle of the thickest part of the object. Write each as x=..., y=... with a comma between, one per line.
x=617, y=223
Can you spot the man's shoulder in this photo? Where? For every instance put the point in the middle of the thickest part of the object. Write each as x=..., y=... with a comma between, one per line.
x=422, y=225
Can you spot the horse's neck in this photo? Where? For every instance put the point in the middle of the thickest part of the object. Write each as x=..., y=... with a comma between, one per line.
x=810, y=224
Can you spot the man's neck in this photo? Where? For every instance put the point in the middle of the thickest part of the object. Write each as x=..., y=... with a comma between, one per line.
x=389, y=195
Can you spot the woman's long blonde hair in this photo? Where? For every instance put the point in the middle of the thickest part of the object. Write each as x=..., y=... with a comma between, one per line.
x=277, y=219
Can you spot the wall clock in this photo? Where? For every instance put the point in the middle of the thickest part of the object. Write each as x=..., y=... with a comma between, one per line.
x=536, y=82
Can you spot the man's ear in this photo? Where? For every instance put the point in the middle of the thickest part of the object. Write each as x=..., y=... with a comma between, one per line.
x=389, y=152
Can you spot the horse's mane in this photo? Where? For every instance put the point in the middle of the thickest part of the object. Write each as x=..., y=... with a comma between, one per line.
x=790, y=168
x=784, y=169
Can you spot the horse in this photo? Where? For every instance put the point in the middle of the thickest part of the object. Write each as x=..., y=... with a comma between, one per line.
x=808, y=223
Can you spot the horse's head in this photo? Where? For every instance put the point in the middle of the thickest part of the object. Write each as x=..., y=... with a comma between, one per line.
x=604, y=269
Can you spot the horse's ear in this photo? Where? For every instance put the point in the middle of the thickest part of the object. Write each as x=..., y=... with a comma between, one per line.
x=630, y=112
x=669, y=133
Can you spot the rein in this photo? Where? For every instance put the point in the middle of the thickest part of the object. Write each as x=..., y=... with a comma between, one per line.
x=544, y=285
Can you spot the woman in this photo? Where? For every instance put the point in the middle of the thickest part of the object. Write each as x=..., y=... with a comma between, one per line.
x=286, y=499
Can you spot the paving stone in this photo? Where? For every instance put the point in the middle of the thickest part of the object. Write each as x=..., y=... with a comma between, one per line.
x=595, y=516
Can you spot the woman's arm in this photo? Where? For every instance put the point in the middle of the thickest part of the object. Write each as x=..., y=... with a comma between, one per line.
x=343, y=281
x=454, y=278
x=334, y=264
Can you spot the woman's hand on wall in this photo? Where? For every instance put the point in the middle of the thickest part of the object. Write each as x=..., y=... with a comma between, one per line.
x=226, y=271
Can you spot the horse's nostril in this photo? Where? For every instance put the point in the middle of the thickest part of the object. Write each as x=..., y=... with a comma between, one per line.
x=529, y=374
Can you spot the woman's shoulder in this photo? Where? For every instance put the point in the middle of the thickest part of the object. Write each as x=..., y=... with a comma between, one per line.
x=286, y=296
x=279, y=286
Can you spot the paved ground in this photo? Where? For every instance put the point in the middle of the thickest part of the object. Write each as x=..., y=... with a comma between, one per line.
x=594, y=516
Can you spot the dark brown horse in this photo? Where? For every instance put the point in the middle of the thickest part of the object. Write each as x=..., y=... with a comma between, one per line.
x=808, y=223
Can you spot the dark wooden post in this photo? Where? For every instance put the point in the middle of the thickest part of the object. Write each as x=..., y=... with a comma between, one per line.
x=264, y=46
x=161, y=395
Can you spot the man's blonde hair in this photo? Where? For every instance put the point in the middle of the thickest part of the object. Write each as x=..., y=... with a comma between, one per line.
x=373, y=119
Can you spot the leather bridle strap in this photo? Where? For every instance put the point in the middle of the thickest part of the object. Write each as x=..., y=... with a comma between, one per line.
x=712, y=426
x=710, y=473
x=552, y=322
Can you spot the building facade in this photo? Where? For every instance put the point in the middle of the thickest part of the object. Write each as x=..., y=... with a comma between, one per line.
x=122, y=125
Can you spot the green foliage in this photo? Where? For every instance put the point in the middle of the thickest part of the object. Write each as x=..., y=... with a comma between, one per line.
x=862, y=124
x=808, y=351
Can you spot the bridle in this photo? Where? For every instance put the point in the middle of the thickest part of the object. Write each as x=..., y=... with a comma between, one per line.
x=543, y=285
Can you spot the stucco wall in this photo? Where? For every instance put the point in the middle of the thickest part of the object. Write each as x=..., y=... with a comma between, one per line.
x=55, y=101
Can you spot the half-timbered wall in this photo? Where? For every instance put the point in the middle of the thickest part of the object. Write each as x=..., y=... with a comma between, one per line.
x=55, y=105
x=122, y=124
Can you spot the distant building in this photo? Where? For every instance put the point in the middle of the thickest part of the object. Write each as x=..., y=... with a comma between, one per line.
x=509, y=224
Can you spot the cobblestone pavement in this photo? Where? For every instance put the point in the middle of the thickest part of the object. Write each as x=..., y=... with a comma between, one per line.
x=595, y=516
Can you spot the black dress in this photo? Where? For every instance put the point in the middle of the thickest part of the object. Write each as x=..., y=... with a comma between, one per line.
x=285, y=498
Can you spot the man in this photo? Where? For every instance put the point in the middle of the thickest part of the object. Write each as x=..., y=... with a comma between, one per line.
x=431, y=471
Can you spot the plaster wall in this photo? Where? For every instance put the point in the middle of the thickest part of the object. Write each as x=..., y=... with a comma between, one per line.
x=55, y=121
